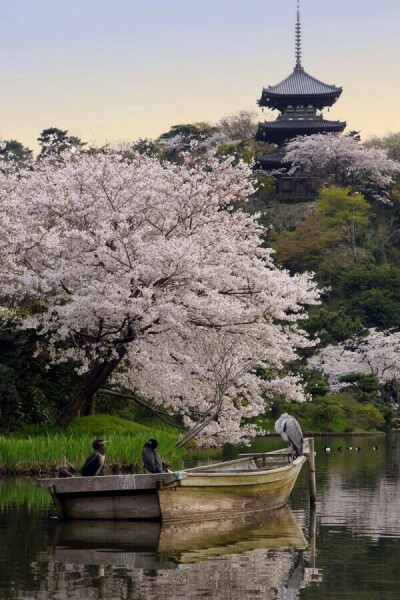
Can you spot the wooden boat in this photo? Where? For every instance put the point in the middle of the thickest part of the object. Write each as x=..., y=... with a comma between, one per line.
x=253, y=482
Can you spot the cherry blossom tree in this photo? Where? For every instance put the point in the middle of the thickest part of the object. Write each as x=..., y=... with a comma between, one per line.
x=183, y=138
x=213, y=381
x=332, y=158
x=142, y=275
x=378, y=353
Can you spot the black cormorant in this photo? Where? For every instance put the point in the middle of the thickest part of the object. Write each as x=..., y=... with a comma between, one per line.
x=151, y=459
x=291, y=432
x=95, y=461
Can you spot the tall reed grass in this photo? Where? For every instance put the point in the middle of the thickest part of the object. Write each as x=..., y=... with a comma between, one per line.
x=41, y=449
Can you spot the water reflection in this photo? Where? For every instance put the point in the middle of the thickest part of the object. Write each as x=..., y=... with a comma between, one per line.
x=350, y=550
x=256, y=554
x=361, y=490
x=177, y=542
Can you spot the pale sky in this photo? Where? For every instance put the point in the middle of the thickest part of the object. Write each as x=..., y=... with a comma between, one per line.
x=112, y=70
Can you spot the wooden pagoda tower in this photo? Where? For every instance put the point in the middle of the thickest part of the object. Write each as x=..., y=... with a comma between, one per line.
x=298, y=98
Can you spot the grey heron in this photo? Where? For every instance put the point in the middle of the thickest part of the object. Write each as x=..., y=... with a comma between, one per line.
x=290, y=430
x=95, y=461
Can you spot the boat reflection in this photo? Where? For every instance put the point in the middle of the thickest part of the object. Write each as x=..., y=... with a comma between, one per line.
x=262, y=555
x=154, y=545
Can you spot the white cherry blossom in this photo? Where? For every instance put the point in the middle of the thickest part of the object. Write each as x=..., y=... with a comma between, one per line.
x=142, y=275
x=332, y=158
x=378, y=353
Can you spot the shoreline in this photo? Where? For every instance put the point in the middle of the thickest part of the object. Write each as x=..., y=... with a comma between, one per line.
x=35, y=469
x=336, y=434
x=117, y=467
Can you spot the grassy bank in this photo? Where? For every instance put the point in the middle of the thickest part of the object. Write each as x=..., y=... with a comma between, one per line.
x=37, y=450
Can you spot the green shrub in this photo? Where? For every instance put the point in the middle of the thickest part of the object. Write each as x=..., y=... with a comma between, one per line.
x=350, y=378
x=368, y=384
x=333, y=413
x=372, y=293
x=369, y=417
x=315, y=382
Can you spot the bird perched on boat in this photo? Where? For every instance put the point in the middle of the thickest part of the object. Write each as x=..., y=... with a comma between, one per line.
x=290, y=430
x=152, y=461
x=95, y=461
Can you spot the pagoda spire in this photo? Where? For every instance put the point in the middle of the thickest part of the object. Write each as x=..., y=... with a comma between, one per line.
x=298, y=38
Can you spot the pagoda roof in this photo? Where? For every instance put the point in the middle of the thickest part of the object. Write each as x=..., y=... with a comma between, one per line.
x=300, y=83
x=291, y=124
x=282, y=129
x=299, y=87
x=275, y=158
x=270, y=162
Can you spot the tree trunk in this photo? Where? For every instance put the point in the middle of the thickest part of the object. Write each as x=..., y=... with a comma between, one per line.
x=96, y=378
x=200, y=425
x=92, y=404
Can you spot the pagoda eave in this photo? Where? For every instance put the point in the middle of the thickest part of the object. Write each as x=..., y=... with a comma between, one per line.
x=278, y=131
x=270, y=162
x=281, y=101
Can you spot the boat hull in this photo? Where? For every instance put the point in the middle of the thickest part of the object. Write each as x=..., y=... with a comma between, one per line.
x=235, y=487
x=211, y=495
x=117, y=506
x=112, y=497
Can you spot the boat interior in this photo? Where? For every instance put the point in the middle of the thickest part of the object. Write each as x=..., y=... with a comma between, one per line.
x=251, y=462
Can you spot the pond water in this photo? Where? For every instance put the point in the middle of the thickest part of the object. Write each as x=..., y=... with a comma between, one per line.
x=348, y=548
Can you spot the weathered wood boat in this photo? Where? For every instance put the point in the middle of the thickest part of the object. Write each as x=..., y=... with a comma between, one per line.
x=253, y=482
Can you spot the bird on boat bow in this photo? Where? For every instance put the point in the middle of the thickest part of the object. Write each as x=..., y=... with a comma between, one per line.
x=95, y=461
x=290, y=430
x=152, y=461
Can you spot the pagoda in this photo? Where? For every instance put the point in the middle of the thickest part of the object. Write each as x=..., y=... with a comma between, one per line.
x=298, y=98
